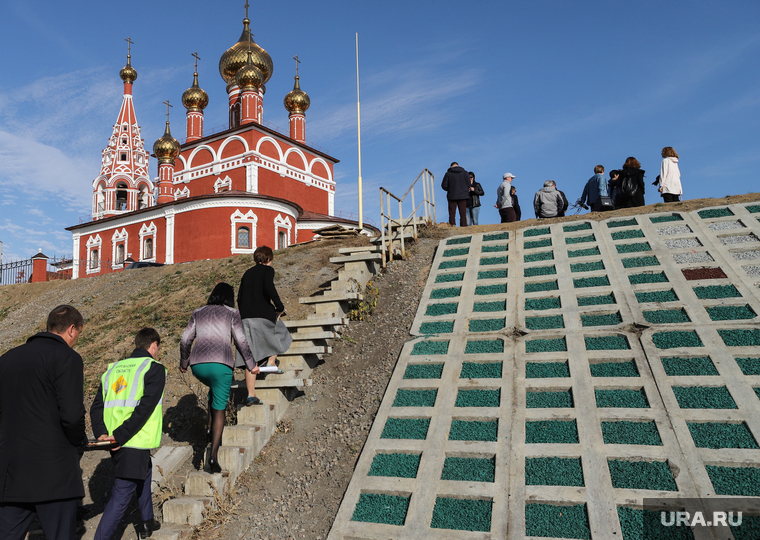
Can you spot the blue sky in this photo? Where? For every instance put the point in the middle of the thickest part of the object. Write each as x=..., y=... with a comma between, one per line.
x=543, y=89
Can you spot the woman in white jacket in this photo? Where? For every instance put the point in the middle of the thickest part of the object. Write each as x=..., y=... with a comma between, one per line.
x=670, y=176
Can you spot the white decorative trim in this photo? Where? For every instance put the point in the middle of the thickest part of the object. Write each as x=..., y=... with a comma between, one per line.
x=169, y=257
x=94, y=242
x=280, y=223
x=276, y=145
x=331, y=203
x=116, y=239
x=145, y=232
x=222, y=183
x=182, y=193
x=252, y=177
x=75, y=250
x=238, y=219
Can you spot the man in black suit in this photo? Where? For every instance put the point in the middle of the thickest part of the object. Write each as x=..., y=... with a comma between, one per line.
x=42, y=430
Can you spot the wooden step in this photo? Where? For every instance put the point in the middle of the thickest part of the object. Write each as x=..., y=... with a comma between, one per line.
x=306, y=347
x=359, y=249
x=289, y=379
x=330, y=297
x=313, y=335
x=310, y=323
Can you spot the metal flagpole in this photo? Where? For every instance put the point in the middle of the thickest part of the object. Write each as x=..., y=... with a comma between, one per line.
x=359, y=135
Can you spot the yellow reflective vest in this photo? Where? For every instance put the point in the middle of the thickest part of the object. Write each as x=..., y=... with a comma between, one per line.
x=123, y=388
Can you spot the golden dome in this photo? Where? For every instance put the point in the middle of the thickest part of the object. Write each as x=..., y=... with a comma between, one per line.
x=249, y=77
x=237, y=56
x=128, y=74
x=166, y=149
x=195, y=98
x=297, y=101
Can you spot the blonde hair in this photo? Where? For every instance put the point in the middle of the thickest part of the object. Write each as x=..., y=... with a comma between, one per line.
x=669, y=152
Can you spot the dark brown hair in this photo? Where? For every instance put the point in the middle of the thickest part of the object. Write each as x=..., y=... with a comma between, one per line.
x=146, y=337
x=599, y=169
x=632, y=163
x=263, y=255
x=62, y=317
x=669, y=152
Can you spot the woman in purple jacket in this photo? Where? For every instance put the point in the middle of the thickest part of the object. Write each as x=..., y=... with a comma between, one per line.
x=213, y=327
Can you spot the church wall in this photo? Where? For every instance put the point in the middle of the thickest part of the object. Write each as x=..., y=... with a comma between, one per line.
x=310, y=198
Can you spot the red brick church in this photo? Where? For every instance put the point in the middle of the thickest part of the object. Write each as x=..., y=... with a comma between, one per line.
x=215, y=195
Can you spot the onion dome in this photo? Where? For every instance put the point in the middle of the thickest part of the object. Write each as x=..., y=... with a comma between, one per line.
x=195, y=98
x=249, y=77
x=237, y=56
x=297, y=101
x=166, y=149
x=128, y=74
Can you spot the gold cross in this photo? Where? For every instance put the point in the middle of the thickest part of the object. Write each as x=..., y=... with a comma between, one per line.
x=297, y=62
x=246, y=9
x=129, y=45
x=195, y=54
x=167, y=108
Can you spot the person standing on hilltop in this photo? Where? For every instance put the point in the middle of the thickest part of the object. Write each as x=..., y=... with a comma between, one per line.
x=456, y=184
x=595, y=189
x=473, y=203
x=670, y=176
x=630, y=185
x=548, y=202
x=516, y=203
x=504, y=199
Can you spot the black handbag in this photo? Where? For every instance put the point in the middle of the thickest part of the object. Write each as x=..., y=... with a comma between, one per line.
x=606, y=202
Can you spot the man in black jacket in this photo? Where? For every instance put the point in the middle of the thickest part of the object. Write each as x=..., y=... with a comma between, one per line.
x=42, y=430
x=456, y=184
x=473, y=203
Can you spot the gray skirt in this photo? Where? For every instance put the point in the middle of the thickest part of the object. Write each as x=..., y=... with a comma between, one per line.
x=265, y=339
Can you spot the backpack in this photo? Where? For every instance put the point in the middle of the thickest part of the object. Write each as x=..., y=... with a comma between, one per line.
x=629, y=187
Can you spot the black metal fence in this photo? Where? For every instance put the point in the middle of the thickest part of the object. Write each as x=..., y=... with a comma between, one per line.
x=16, y=272
x=57, y=268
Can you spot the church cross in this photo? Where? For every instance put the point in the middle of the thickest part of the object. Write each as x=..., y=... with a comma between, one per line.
x=129, y=45
x=246, y=9
x=195, y=54
x=297, y=62
x=167, y=109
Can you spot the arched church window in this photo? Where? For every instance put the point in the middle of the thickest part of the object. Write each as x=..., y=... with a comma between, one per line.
x=94, y=258
x=243, y=238
x=148, y=248
x=120, y=254
x=282, y=240
x=144, y=198
x=121, y=196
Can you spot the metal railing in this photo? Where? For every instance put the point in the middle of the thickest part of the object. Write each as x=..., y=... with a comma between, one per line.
x=401, y=223
x=57, y=268
x=16, y=272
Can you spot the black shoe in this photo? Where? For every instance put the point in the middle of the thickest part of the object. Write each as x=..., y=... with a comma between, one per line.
x=213, y=466
x=145, y=529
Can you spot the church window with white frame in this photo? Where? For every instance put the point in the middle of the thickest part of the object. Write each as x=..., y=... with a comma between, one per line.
x=119, y=241
x=148, y=242
x=93, y=254
x=223, y=184
x=239, y=222
x=282, y=230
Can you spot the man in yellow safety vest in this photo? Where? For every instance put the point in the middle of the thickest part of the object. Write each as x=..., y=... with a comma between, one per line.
x=127, y=411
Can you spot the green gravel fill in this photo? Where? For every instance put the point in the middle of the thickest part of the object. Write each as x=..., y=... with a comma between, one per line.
x=415, y=398
x=622, y=399
x=484, y=346
x=469, y=469
x=668, y=295
x=622, y=223
x=486, y=325
x=423, y=371
x=545, y=242
x=440, y=327
x=714, y=435
x=614, y=369
x=731, y=313
x=648, y=277
x=460, y=240
x=462, y=514
x=597, y=281
x=488, y=261
x=499, y=288
x=545, y=345
x=715, y=213
x=406, y=428
x=587, y=267
x=715, y=292
x=579, y=227
x=478, y=398
x=544, y=323
x=633, y=248
x=539, y=271
x=640, y=262
x=479, y=307
x=435, y=310
x=607, y=343
x=541, y=286
x=551, y=432
x=395, y=465
x=653, y=475
x=743, y=481
x=496, y=236
x=580, y=239
x=452, y=264
x=495, y=248
x=749, y=366
x=754, y=209
x=493, y=274
x=549, y=520
x=583, y=252
x=596, y=300
x=546, y=370
x=627, y=432
x=704, y=397
x=673, y=340
x=451, y=292
x=456, y=252
x=481, y=370
x=539, y=304
x=553, y=471
x=474, y=430
x=748, y=530
x=379, y=508
x=537, y=232
x=627, y=235
x=741, y=338
x=666, y=219
x=549, y=400
x=666, y=316
x=645, y=524
x=537, y=257
x=445, y=278
x=699, y=366
x=608, y=319
x=431, y=347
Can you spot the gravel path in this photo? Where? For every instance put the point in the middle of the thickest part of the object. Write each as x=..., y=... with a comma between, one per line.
x=674, y=229
x=683, y=243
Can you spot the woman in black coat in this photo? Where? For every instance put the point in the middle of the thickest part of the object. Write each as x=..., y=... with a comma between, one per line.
x=630, y=185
